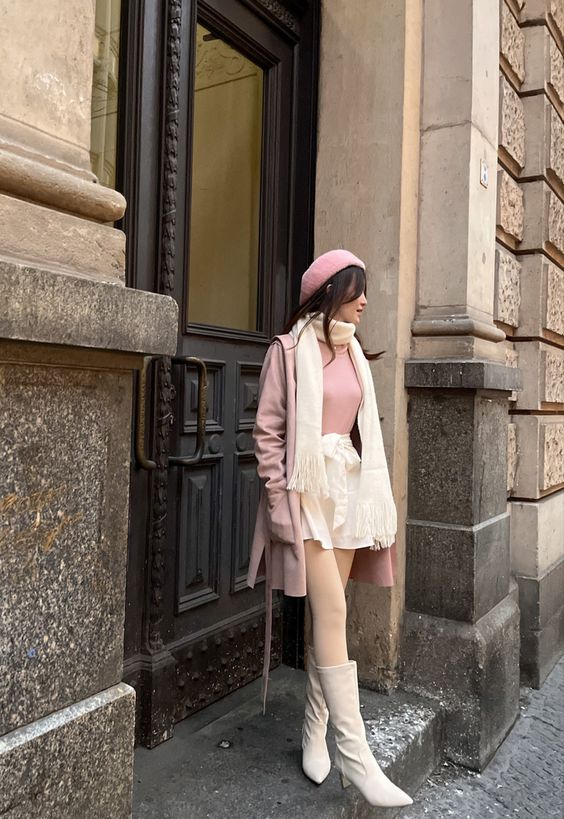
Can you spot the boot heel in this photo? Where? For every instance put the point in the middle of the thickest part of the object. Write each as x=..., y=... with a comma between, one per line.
x=344, y=781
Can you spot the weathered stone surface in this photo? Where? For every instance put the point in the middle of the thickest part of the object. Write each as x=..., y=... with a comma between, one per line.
x=457, y=217
x=556, y=76
x=76, y=762
x=541, y=597
x=554, y=313
x=512, y=44
x=545, y=64
x=543, y=376
x=557, y=14
x=473, y=670
x=63, y=537
x=460, y=374
x=553, y=367
x=511, y=455
x=542, y=292
x=510, y=213
x=460, y=67
x=552, y=443
x=556, y=146
x=555, y=221
x=511, y=123
x=524, y=778
x=544, y=141
x=40, y=305
x=459, y=572
x=52, y=91
x=542, y=621
x=37, y=179
x=507, y=291
x=549, y=11
x=540, y=467
x=544, y=223
x=541, y=649
x=537, y=534
x=451, y=439
x=37, y=235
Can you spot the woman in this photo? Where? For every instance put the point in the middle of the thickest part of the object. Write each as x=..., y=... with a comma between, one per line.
x=327, y=511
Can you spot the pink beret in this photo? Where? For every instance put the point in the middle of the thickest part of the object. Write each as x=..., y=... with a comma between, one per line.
x=323, y=268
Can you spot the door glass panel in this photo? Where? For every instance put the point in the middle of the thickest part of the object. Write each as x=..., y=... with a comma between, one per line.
x=105, y=91
x=226, y=166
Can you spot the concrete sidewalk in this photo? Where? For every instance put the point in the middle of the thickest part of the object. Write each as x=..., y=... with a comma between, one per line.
x=258, y=774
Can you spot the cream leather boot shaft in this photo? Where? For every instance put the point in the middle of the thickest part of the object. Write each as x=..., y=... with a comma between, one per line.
x=316, y=762
x=353, y=757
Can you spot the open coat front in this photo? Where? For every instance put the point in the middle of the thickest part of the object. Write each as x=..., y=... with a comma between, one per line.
x=277, y=550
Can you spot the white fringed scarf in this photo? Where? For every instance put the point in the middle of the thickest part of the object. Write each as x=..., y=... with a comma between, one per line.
x=376, y=511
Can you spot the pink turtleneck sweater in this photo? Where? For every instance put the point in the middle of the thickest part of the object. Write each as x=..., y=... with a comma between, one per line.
x=342, y=392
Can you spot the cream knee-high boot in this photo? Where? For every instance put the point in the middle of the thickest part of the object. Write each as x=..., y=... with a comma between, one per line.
x=353, y=757
x=316, y=762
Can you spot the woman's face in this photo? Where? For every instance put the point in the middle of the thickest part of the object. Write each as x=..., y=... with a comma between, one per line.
x=351, y=311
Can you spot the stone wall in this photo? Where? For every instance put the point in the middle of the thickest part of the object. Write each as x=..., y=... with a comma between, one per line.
x=71, y=337
x=529, y=307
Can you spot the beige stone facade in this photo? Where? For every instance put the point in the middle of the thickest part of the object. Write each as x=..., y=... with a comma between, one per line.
x=440, y=161
x=529, y=298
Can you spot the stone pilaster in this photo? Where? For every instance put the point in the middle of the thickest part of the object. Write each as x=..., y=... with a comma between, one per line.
x=461, y=616
x=461, y=627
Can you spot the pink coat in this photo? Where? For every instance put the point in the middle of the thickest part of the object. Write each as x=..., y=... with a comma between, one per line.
x=277, y=550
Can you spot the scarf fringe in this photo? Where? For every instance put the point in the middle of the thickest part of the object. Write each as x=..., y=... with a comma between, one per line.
x=378, y=520
x=309, y=475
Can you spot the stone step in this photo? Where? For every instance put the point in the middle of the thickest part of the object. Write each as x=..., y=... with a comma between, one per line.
x=259, y=776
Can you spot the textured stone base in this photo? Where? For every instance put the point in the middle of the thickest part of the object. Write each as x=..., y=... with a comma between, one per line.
x=458, y=572
x=542, y=623
x=73, y=764
x=473, y=670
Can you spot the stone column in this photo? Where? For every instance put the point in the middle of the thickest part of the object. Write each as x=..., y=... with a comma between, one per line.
x=460, y=640
x=366, y=200
x=71, y=336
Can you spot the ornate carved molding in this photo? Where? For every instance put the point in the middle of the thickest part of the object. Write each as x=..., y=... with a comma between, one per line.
x=164, y=386
x=282, y=14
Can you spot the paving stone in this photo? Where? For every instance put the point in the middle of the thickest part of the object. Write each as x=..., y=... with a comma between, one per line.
x=525, y=777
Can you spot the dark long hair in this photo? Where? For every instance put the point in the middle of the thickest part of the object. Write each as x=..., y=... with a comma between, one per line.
x=349, y=280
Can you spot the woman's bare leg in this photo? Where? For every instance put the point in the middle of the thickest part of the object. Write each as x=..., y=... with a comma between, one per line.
x=344, y=558
x=325, y=573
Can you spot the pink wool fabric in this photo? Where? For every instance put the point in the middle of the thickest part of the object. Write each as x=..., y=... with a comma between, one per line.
x=323, y=268
x=277, y=549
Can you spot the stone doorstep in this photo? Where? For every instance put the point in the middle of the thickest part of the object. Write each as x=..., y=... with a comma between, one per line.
x=259, y=775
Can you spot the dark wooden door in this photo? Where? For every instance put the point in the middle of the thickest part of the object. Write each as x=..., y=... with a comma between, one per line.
x=234, y=230
x=232, y=299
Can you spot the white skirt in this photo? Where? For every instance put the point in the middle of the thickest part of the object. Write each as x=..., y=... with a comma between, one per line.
x=331, y=520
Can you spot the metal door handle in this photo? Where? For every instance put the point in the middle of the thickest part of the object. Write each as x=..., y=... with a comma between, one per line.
x=181, y=460
x=140, y=457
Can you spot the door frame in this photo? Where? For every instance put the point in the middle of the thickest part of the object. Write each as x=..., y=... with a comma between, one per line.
x=154, y=150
